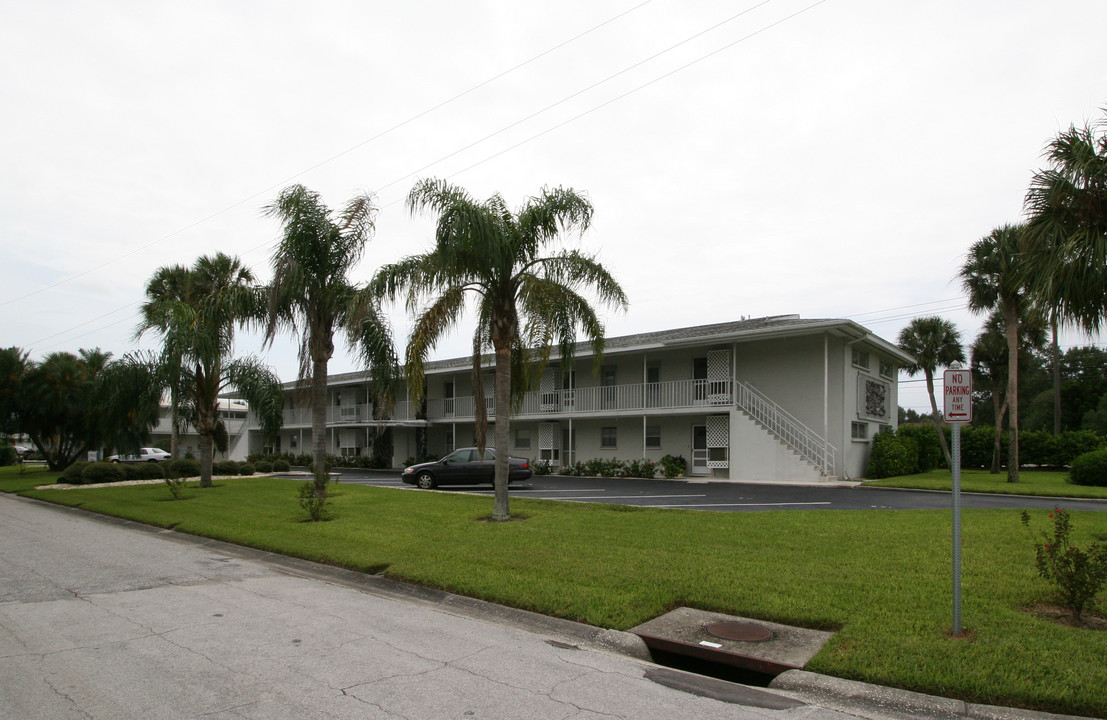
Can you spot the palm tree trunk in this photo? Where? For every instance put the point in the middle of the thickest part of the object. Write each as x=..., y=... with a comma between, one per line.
x=997, y=443
x=319, y=425
x=1011, y=315
x=937, y=419
x=1055, y=351
x=207, y=456
x=500, y=508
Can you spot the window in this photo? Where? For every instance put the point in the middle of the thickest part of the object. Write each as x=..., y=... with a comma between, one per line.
x=859, y=431
x=449, y=440
x=653, y=436
x=886, y=369
x=522, y=438
x=860, y=359
x=607, y=437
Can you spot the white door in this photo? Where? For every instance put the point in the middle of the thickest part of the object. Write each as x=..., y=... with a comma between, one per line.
x=699, y=450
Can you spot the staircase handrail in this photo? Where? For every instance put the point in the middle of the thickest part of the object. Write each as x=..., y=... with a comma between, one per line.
x=809, y=444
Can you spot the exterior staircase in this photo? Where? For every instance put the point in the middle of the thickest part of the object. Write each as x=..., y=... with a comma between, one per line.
x=785, y=427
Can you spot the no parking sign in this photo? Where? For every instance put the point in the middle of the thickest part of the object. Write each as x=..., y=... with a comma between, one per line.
x=958, y=395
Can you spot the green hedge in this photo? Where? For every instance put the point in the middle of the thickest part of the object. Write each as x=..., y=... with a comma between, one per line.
x=1039, y=448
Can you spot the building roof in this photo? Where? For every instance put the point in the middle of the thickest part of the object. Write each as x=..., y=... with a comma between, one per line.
x=744, y=330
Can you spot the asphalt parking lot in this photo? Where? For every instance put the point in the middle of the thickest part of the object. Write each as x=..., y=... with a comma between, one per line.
x=730, y=496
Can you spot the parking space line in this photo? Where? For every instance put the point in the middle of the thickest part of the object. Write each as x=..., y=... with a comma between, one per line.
x=777, y=504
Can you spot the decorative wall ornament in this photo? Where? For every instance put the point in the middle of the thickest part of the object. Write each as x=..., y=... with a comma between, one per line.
x=873, y=398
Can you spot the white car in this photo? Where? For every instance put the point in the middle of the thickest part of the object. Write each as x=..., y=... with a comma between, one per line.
x=144, y=455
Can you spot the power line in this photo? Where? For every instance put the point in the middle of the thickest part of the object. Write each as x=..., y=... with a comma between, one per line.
x=326, y=161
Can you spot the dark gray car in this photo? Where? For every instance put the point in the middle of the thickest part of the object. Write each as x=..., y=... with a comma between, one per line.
x=464, y=466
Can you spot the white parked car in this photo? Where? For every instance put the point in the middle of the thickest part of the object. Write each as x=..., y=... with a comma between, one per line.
x=144, y=455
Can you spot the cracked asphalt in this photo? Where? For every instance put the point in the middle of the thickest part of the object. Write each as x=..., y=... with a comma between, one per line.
x=104, y=619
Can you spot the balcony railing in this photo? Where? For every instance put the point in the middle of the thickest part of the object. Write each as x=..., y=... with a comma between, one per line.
x=597, y=400
x=342, y=414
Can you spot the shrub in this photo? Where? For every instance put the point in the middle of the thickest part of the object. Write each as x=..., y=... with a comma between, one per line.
x=72, y=474
x=1089, y=469
x=281, y=466
x=541, y=467
x=673, y=466
x=263, y=466
x=8, y=455
x=183, y=468
x=245, y=468
x=102, y=472
x=641, y=468
x=176, y=486
x=891, y=456
x=224, y=467
x=311, y=502
x=927, y=447
x=1079, y=574
x=148, y=471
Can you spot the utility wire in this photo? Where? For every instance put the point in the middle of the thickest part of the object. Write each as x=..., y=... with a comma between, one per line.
x=327, y=160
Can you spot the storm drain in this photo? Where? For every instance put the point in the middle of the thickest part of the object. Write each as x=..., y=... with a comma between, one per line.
x=751, y=652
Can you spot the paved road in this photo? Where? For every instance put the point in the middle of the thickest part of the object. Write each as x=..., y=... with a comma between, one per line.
x=106, y=619
x=733, y=497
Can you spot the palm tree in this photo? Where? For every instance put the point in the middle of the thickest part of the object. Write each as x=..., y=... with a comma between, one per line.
x=989, y=363
x=197, y=325
x=933, y=342
x=169, y=284
x=1066, y=207
x=992, y=277
x=523, y=300
x=312, y=295
x=69, y=404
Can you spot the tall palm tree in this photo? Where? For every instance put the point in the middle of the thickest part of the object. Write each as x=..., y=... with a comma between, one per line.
x=1066, y=207
x=523, y=300
x=993, y=278
x=169, y=284
x=311, y=294
x=989, y=363
x=197, y=325
x=933, y=342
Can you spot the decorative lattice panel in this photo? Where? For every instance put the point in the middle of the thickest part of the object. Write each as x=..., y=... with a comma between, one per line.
x=718, y=377
x=718, y=441
x=546, y=434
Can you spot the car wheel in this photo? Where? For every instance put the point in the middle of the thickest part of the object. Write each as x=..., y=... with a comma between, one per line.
x=425, y=481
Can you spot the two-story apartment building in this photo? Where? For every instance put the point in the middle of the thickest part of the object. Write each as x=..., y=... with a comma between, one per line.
x=776, y=399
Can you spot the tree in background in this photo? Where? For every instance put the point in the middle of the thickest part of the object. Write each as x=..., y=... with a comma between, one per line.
x=197, y=325
x=524, y=300
x=70, y=404
x=934, y=343
x=312, y=295
x=994, y=280
x=989, y=364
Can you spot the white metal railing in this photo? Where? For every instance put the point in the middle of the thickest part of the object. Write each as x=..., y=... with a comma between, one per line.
x=809, y=444
x=341, y=414
x=592, y=400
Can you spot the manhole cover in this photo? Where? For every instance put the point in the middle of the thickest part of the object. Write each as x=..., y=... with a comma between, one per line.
x=741, y=631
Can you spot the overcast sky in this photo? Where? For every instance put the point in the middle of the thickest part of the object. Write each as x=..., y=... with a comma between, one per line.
x=829, y=159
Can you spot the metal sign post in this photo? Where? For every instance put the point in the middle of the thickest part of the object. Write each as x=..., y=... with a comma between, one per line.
x=957, y=392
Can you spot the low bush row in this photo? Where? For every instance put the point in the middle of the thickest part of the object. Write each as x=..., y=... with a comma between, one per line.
x=669, y=466
x=87, y=473
x=365, y=462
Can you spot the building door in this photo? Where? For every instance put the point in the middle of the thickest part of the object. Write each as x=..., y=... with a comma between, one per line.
x=699, y=380
x=448, y=398
x=699, y=450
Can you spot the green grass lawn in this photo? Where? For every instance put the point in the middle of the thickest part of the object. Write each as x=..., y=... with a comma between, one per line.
x=16, y=478
x=881, y=579
x=1031, y=482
